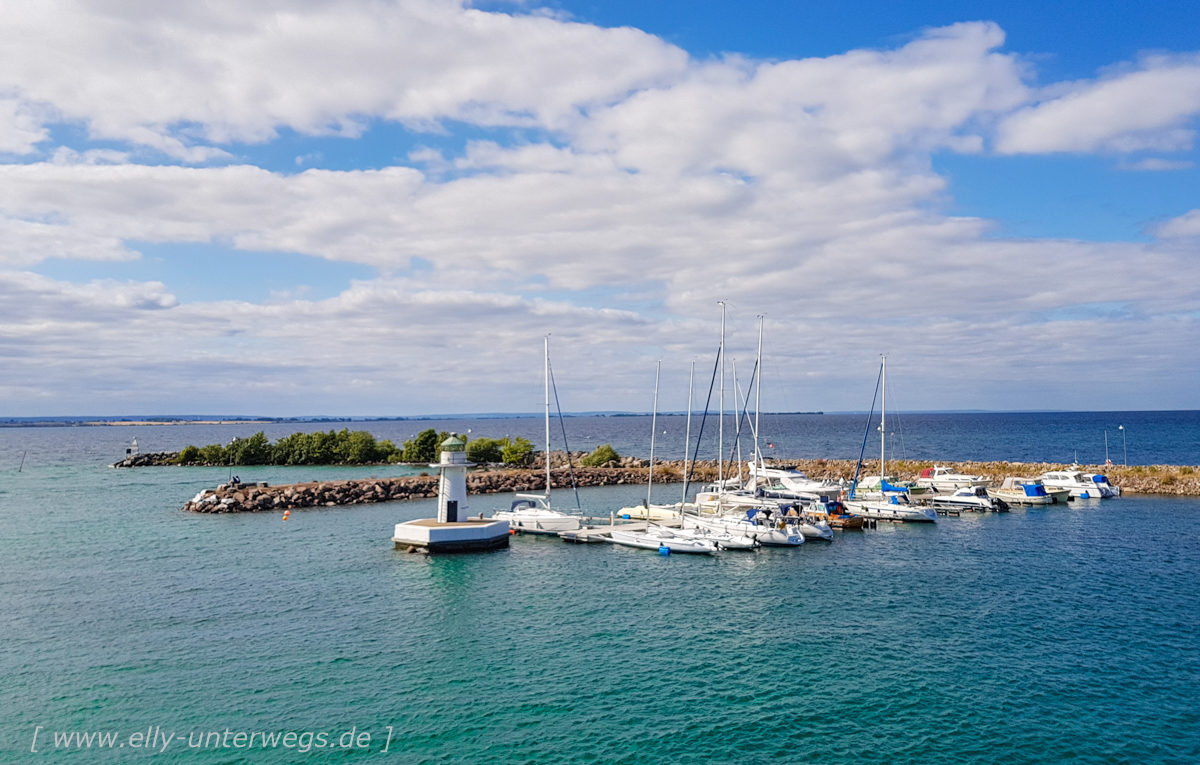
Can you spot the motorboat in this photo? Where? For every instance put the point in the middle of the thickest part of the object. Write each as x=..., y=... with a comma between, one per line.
x=531, y=513
x=973, y=498
x=809, y=525
x=940, y=478
x=790, y=483
x=749, y=524
x=1024, y=491
x=660, y=538
x=1080, y=484
x=897, y=507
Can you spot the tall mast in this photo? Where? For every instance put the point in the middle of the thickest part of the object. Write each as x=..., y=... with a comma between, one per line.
x=653, y=432
x=721, y=415
x=757, y=401
x=883, y=424
x=547, y=374
x=687, y=439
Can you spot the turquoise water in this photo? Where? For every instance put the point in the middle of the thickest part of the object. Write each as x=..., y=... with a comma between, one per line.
x=1066, y=634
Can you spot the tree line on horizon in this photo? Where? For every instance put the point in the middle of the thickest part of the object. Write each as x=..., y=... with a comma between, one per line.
x=346, y=447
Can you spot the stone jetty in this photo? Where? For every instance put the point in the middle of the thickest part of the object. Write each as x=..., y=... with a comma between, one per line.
x=259, y=497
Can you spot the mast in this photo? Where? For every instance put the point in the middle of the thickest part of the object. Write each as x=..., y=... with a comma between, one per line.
x=653, y=432
x=721, y=413
x=547, y=375
x=883, y=423
x=757, y=401
x=687, y=439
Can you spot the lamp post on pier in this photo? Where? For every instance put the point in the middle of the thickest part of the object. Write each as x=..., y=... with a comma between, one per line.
x=1124, y=450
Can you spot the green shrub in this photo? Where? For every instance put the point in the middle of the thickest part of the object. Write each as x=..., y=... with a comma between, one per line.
x=486, y=449
x=189, y=455
x=603, y=455
x=519, y=452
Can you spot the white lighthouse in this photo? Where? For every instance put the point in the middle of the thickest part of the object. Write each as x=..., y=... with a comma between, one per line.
x=452, y=481
x=452, y=530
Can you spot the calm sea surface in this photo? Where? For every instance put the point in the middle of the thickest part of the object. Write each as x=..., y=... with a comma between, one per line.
x=1066, y=634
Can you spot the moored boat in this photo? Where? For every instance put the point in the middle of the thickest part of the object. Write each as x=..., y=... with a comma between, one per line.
x=940, y=478
x=897, y=507
x=973, y=498
x=1024, y=491
x=1080, y=484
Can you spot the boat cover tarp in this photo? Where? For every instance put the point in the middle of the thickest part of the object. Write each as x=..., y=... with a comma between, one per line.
x=885, y=486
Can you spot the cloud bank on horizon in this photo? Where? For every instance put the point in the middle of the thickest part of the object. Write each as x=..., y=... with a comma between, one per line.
x=362, y=207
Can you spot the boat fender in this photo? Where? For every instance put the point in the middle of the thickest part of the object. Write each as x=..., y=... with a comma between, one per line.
x=664, y=550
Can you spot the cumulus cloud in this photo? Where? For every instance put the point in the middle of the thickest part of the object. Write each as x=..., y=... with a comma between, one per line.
x=636, y=188
x=1151, y=107
x=175, y=77
x=1186, y=225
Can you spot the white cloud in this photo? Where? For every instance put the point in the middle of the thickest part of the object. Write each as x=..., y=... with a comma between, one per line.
x=653, y=187
x=1186, y=225
x=1149, y=108
x=1157, y=164
x=173, y=76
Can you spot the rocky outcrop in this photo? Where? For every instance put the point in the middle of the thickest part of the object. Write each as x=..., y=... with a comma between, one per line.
x=149, y=459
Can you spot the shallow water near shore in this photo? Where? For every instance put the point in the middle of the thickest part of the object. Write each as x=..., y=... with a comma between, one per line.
x=1058, y=634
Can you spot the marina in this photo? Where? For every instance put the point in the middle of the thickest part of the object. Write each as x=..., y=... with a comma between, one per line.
x=1086, y=602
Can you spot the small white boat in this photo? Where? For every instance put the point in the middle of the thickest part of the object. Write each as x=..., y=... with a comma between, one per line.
x=766, y=534
x=896, y=507
x=809, y=526
x=531, y=513
x=790, y=483
x=941, y=478
x=659, y=538
x=973, y=498
x=1080, y=484
x=1024, y=491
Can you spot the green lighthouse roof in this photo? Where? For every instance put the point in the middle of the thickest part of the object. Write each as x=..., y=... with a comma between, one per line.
x=454, y=444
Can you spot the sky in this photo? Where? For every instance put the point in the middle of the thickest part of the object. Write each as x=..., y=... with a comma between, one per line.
x=382, y=207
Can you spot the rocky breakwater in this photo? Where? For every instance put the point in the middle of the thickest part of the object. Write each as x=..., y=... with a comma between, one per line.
x=149, y=459
x=261, y=497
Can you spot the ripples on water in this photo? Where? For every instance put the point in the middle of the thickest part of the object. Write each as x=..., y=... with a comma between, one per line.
x=1059, y=634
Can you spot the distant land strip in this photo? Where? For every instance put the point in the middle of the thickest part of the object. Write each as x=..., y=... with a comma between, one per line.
x=255, y=497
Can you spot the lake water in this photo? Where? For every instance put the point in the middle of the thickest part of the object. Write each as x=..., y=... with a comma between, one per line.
x=1064, y=634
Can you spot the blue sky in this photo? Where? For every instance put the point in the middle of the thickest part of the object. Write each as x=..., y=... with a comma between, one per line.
x=351, y=207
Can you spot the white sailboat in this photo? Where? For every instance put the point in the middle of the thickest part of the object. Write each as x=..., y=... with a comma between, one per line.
x=533, y=513
x=894, y=505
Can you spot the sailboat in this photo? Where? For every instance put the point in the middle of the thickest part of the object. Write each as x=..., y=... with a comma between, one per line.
x=532, y=513
x=673, y=539
x=894, y=503
x=722, y=509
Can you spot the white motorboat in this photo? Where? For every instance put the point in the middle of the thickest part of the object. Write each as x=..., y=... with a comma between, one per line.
x=790, y=483
x=897, y=507
x=532, y=512
x=973, y=498
x=1024, y=491
x=941, y=478
x=1080, y=484
x=768, y=535
x=659, y=538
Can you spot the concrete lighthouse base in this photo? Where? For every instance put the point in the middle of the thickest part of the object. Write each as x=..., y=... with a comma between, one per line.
x=462, y=536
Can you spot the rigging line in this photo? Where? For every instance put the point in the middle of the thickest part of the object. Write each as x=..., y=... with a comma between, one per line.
x=563, y=425
x=899, y=427
x=688, y=480
x=866, y=434
x=738, y=432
